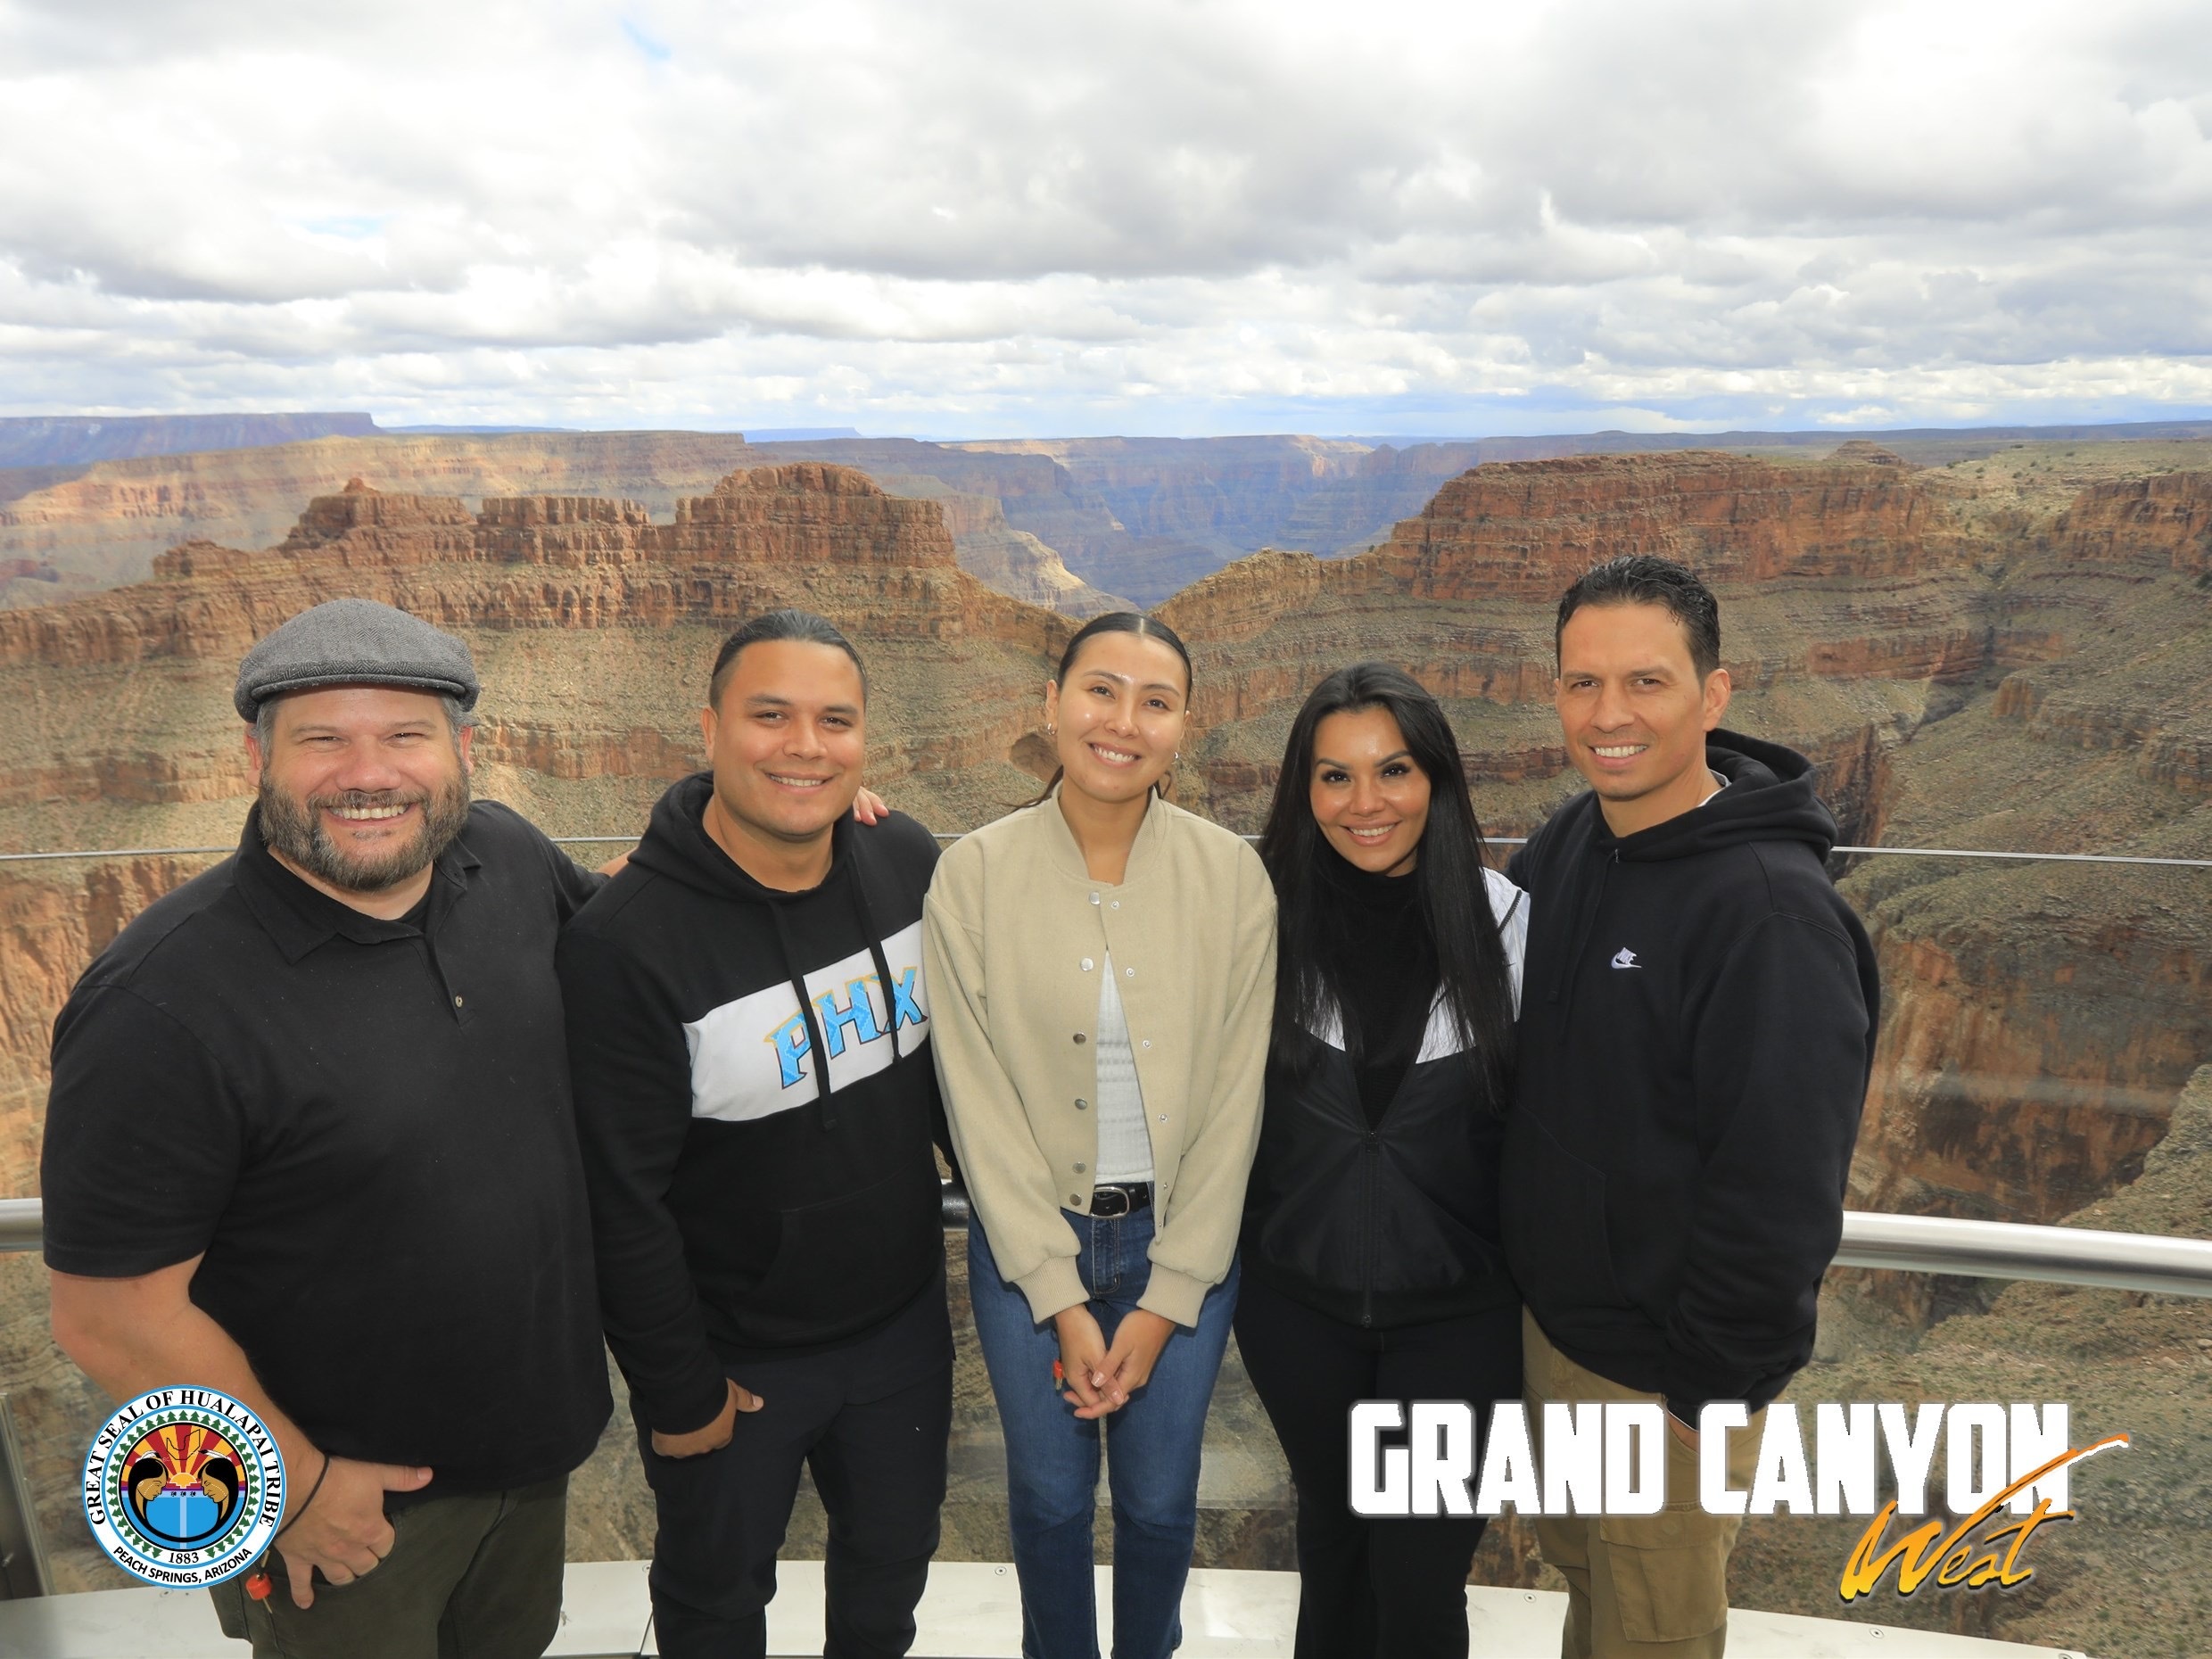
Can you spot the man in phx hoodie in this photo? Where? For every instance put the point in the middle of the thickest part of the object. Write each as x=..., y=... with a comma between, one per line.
x=1697, y=1024
x=748, y=1035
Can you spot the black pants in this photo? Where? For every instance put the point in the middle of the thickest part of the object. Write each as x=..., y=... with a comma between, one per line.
x=870, y=1419
x=472, y=1576
x=1372, y=1588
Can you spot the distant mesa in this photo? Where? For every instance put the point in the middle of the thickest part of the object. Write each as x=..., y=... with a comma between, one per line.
x=1865, y=452
x=77, y=439
x=1082, y=525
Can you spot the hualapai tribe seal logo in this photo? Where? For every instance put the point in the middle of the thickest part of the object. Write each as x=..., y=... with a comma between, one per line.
x=183, y=1486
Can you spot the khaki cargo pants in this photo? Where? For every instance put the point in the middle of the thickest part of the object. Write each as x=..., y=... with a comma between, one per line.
x=1649, y=1586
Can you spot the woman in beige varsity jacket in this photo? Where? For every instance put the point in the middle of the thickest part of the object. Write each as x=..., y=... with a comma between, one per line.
x=1101, y=974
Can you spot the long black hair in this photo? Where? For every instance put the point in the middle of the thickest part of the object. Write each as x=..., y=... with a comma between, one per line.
x=1314, y=937
x=1116, y=621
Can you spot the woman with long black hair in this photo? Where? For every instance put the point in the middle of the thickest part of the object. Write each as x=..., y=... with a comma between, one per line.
x=1373, y=1268
x=1101, y=970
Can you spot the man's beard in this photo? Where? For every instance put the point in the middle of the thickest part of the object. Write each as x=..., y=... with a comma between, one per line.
x=294, y=828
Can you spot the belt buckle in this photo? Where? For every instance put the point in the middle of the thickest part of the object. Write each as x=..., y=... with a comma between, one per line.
x=1119, y=1192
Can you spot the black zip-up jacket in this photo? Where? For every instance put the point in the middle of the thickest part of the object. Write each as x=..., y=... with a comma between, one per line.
x=1393, y=1224
x=736, y=1211
x=1697, y=1025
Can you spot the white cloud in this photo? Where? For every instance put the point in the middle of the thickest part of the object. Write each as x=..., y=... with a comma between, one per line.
x=1156, y=215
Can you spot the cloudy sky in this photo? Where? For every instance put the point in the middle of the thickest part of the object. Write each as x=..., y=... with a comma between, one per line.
x=1000, y=217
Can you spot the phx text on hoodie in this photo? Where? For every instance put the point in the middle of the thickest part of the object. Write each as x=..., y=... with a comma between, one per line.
x=757, y=1101
x=1697, y=1024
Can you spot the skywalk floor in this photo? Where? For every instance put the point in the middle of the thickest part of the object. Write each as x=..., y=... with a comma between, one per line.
x=970, y=1612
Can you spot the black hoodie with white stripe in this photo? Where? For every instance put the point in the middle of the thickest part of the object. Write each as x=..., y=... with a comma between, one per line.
x=738, y=1209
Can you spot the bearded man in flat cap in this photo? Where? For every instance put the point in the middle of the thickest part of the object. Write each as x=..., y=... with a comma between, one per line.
x=309, y=1143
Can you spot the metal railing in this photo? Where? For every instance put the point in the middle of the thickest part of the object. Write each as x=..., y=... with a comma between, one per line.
x=2011, y=1249
x=1495, y=840
x=1903, y=1243
x=1978, y=1249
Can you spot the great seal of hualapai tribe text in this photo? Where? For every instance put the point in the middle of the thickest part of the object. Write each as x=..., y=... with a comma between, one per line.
x=183, y=1486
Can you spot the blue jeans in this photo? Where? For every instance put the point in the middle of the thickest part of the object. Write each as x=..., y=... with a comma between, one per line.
x=1052, y=1454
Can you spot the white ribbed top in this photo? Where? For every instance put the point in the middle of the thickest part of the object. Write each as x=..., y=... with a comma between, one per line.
x=1125, y=1147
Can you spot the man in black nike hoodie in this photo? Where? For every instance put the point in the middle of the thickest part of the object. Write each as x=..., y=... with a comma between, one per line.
x=748, y=1037
x=1697, y=1024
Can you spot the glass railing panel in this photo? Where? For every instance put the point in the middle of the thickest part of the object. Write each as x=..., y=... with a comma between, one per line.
x=2040, y=1021
x=57, y=1410
x=2126, y=1575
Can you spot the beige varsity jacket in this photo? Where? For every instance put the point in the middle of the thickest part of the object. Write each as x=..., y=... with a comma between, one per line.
x=1014, y=937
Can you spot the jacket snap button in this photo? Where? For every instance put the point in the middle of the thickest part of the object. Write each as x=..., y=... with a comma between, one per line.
x=1094, y=898
x=1148, y=1042
x=1128, y=973
x=1075, y=1200
x=457, y=1002
x=1086, y=964
x=1163, y=1117
x=1086, y=1106
x=1080, y=1038
x=1117, y=904
x=1078, y=1168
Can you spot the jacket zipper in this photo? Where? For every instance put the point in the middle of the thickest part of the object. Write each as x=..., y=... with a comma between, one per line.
x=1368, y=1228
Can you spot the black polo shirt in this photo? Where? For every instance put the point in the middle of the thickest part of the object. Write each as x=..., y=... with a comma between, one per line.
x=365, y=1127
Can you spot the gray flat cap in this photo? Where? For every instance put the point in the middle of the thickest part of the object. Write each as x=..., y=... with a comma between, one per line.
x=355, y=642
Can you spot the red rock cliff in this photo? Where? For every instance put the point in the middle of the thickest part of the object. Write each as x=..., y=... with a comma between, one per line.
x=2166, y=517
x=544, y=562
x=1530, y=527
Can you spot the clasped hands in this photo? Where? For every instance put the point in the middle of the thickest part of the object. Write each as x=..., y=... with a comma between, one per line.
x=1098, y=1378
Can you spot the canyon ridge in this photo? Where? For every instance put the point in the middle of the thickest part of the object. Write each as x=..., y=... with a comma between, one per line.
x=2004, y=650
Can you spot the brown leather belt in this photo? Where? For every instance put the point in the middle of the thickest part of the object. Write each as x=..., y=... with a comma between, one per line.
x=1109, y=1201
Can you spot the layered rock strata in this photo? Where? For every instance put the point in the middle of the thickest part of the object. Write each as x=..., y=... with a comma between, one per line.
x=1532, y=526
x=127, y=738
x=2168, y=515
x=2040, y=1019
x=108, y=522
x=2027, y=686
x=1846, y=595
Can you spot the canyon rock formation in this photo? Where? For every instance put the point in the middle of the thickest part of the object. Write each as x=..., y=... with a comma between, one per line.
x=1955, y=689
x=1530, y=527
x=2004, y=653
x=125, y=736
x=2140, y=518
x=1846, y=597
x=107, y=522
x=1866, y=619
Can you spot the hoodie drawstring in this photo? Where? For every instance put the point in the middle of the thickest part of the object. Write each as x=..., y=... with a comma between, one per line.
x=816, y=1046
x=1562, y=982
x=883, y=963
